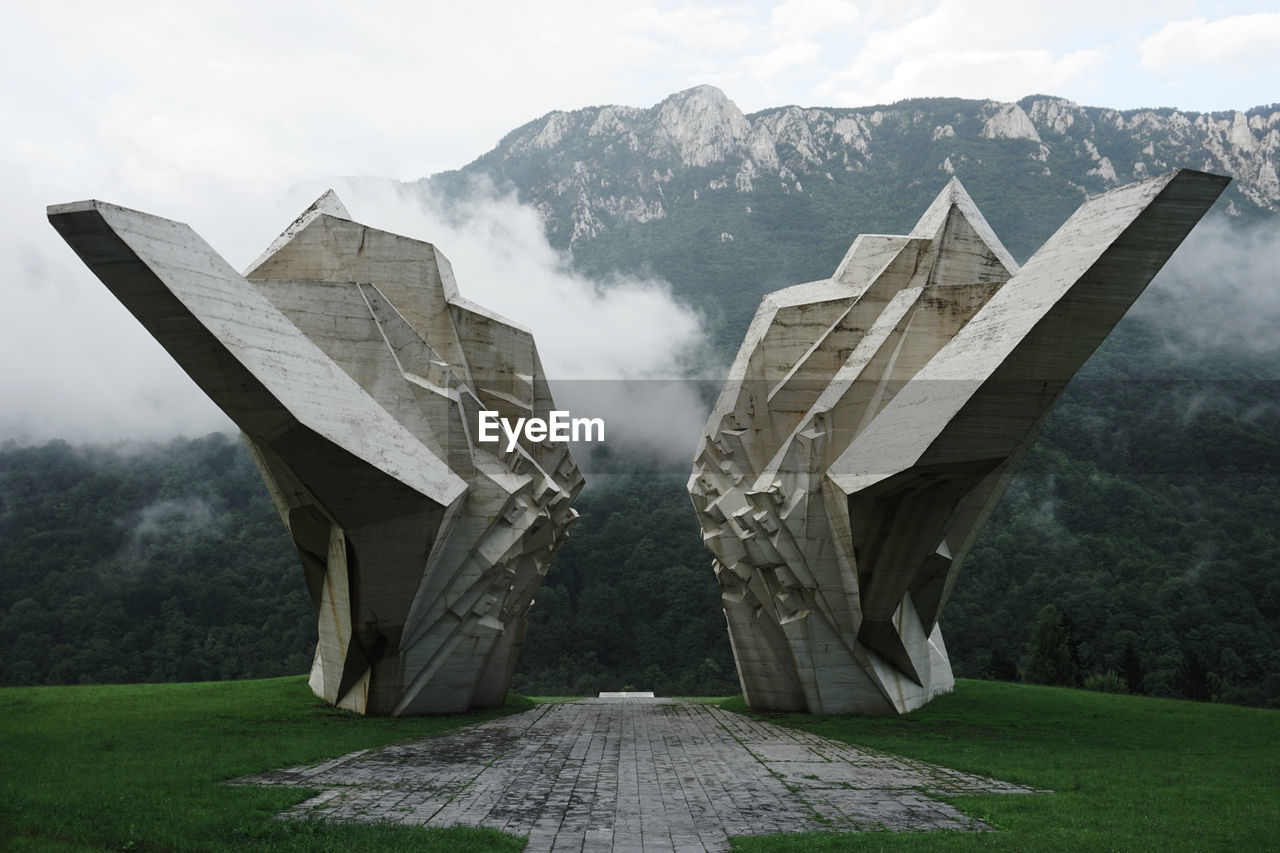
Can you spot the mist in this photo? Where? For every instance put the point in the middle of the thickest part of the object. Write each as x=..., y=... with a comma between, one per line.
x=80, y=368
x=1220, y=291
x=86, y=371
x=177, y=519
x=621, y=348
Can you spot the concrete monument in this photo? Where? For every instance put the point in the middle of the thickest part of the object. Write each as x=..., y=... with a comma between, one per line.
x=872, y=420
x=357, y=374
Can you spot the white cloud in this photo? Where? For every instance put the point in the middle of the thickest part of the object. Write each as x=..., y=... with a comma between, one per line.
x=623, y=328
x=702, y=28
x=1003, y=75
x=812, y=17
x=1239, y=42
x=1218, y=291
x=989, y=49
x=297, y=91
x=784, y=57
x=85, y=370
x=207, y=113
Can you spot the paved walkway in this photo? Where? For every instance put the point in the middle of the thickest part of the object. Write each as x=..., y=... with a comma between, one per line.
x=634, y=775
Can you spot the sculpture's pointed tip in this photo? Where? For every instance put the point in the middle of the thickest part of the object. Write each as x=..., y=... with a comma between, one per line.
x=954, y=197
x=329, y=203
x=955, y=191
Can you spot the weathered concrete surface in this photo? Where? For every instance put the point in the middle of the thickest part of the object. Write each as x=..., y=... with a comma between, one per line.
x=872, y=420
x=356, y=373
x=635, y=775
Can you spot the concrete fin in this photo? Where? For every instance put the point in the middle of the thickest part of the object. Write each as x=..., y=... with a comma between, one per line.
x=327, y=204
x=413, y=355
x=412, y=274
x=342, y=366
x=845, y=500
x=953, y=203
x=1009, y=363
x=246, y=355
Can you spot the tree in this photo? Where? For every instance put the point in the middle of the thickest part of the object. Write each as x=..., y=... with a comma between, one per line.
x=1001, y=666
x=1049, y=650
x=1131, y=670
x=1082, y=660
x=1193, y=680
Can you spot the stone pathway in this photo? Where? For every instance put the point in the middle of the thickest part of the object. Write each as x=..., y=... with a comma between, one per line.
x=634, y=775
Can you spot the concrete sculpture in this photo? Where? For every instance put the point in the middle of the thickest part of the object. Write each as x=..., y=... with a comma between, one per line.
x=871, y=422
x=357, y=375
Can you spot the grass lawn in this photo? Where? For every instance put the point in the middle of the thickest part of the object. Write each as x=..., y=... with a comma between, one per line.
x=141, y=767
x=1128, y=772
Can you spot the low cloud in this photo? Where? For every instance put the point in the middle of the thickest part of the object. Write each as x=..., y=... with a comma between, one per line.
x=97, y=376
x=167, y=521
x=619, y=348
x=1218, y=291
x=621, y=327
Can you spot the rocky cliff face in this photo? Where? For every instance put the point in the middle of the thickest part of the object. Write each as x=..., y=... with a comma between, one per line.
x=595, y=169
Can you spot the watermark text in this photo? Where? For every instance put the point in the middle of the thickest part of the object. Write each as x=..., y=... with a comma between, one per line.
x=559, y=427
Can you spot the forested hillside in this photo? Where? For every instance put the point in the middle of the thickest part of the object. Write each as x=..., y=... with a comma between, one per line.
x=1146, y=517
x=727, y=206
x=1147, y=514
x=145, y=564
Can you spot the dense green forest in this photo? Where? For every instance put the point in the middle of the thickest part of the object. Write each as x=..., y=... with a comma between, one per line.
x=1146, y=515
x=152, y=563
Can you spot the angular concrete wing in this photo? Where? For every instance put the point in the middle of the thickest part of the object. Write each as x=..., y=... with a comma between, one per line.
x=872, y=420
x=351, y=365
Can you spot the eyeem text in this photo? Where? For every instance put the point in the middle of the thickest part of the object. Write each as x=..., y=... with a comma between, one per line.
x=560, y=427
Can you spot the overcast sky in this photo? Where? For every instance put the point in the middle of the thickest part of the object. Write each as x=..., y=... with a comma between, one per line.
x=216, y=117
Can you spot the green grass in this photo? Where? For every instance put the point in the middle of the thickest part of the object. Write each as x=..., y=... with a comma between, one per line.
x=142, y=767
x=1128, y=772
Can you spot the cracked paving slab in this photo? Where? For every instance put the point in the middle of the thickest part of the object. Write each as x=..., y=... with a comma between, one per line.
x=634, y=775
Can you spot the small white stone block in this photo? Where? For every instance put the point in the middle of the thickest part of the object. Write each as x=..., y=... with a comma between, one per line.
x=634, y=694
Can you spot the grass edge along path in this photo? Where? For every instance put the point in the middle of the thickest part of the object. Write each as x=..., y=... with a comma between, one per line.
x=1128, y=772
x=143, y=767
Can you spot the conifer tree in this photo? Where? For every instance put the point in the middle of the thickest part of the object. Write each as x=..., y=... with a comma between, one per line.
x=1049, y=651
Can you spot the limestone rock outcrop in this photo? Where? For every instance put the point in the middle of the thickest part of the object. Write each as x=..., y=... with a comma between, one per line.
x=872, y=420
x=606, y=169
x=356, y=372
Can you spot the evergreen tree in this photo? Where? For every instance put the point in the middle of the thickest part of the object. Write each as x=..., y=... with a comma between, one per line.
x=1193, y=680
x=1131, y=670
x=1001, y=666
x=1049, y=650
x=1082, y=660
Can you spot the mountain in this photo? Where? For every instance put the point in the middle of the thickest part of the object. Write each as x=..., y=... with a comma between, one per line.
x=591, y=170
x=1148, y=510
x=1148, y=513
x=728, y=206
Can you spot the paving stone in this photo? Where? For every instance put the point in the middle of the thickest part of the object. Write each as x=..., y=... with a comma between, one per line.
x=634, y=775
